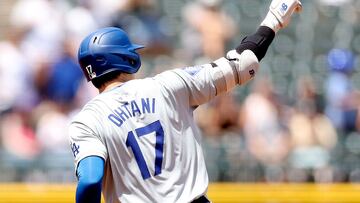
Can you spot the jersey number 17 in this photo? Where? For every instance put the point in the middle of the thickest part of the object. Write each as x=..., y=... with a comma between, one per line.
x=159, y=147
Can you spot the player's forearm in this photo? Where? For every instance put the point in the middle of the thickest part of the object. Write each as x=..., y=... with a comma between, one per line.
x=279, y=16
x=241, y=65
x=90, y=172
x=244, y=60
x=258, y=42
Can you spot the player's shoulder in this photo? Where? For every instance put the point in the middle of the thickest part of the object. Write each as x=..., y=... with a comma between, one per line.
x=83, y=115
x=182, y=73
x=90, y=111
x=178, y=78
x=99, y=104
x=169, y=76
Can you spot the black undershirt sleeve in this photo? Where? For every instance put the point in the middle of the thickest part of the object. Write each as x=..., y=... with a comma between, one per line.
x=258, y=42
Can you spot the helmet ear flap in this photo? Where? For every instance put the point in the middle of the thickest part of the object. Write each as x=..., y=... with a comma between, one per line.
x=131, y=61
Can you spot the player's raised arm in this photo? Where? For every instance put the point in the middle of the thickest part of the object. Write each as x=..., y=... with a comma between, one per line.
x=253, y=48
x=241, y=64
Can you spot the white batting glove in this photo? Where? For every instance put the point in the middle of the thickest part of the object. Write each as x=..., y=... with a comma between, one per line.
x=280, y=13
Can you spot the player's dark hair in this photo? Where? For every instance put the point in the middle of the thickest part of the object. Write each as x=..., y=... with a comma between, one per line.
x=99, y=81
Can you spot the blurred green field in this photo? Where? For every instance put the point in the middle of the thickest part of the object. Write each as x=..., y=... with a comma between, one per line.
x=218, y=193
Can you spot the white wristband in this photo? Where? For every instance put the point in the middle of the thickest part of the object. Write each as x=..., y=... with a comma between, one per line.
x=271, y=22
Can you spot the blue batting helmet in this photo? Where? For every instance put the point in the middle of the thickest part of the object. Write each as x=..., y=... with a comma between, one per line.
x=107, y=50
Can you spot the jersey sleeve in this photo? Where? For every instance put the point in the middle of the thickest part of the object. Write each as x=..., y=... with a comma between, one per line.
x=84, y=138
x=197, y=84
x=202, y=83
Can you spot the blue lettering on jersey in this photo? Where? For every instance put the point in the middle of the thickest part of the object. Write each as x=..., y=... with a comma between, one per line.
x=132, y=109
x=120, y=112
x=153, y=105
x=116, y=120
x=127, y=109
x=135, y=108
x=145, y=105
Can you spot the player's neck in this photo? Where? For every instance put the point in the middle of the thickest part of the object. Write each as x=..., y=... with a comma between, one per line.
x=116, y=82
x=109, y=86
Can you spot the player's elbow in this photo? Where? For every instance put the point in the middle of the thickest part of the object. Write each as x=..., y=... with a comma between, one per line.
x=90, y=173
x=90, y=186
x=258, y=43
x=246, y=63
x=89, y=190
x=91, y=181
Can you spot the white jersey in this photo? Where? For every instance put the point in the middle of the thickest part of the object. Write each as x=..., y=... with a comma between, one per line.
x=145, y=131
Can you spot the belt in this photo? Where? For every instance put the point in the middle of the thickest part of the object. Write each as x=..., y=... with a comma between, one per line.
x=201, y=199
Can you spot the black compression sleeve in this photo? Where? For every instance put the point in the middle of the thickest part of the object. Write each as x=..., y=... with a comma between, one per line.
x=258, y=42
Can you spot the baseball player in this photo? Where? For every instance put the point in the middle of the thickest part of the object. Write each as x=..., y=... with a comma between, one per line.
x=137, y=141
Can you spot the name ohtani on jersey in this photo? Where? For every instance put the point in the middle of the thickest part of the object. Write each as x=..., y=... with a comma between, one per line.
x=132, y=109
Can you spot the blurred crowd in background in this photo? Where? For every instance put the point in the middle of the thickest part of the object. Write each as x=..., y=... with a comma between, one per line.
x=297, y=121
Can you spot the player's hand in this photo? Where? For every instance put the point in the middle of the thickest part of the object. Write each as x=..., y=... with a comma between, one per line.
x=280, y=12
x=283, y=10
